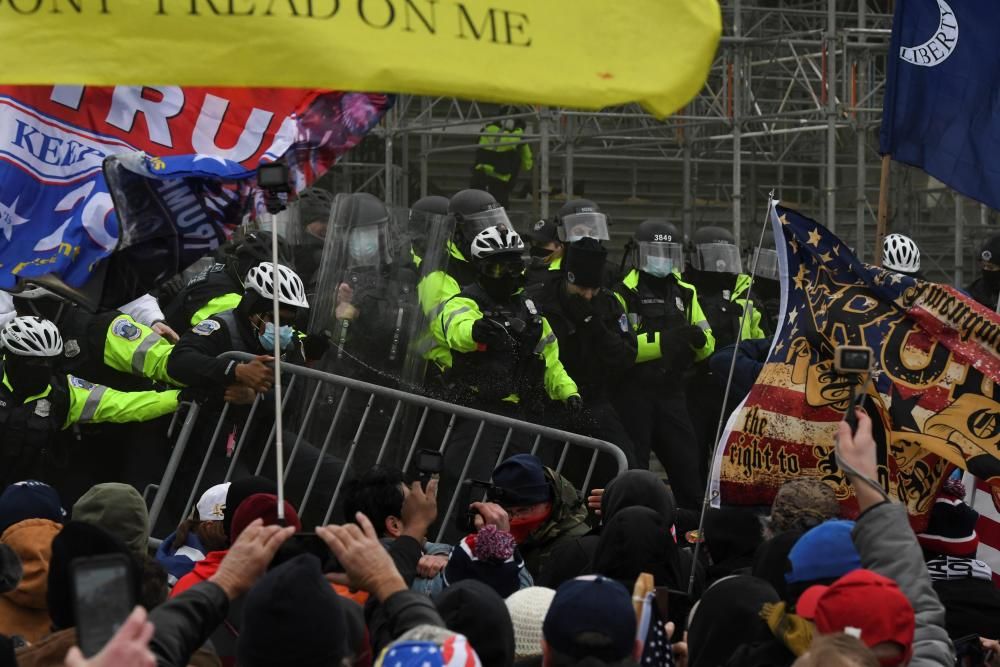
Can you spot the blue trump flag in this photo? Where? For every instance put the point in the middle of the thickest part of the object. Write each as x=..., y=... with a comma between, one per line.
x=942, y=107
x=172, y=211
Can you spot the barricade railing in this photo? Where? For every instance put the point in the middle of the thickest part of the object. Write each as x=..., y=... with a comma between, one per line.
x=405, y=432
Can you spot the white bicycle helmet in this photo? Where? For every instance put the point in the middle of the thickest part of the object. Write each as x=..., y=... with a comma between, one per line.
x=900, y=253
x=31, y=336
x=291, y=292
x=497, y=240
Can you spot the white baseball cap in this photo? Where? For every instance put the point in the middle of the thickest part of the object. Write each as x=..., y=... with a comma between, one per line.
x=212, y=504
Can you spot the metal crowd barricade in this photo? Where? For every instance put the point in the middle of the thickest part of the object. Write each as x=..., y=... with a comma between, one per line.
x=419, y=407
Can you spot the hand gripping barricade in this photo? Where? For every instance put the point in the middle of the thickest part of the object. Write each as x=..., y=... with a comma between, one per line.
x=318, y=491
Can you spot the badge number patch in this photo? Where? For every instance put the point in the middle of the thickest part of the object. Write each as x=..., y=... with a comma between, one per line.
x=125, y=329
x=206, y=327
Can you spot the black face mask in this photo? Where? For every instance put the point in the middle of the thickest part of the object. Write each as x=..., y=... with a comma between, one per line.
x=992, y=279
x=540, y=252
x=28, y=375
x=503, y=288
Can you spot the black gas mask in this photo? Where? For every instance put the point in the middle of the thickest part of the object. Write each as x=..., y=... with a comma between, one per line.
x=502, y=279
x=28, y=376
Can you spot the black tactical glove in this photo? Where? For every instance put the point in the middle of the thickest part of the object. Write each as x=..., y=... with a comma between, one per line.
x=315, y=346
x=694, y=336
x=492, y=335
x=676, y=350
x=574, y=404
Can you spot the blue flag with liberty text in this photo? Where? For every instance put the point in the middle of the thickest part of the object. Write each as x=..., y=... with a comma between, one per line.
x=942, y=99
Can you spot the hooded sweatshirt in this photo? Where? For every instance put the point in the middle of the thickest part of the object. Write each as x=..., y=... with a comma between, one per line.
x=567, y=521
x=637, y=540
x=475, y=610
x=632, y=488
x=23, y=611
x=120, y=510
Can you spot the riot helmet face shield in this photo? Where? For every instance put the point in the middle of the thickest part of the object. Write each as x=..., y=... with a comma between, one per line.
x=421, y=226
x=765, y=263
x=369, y=246
x=717, y=258
x=473, y=223
x=660, y=259
x=584, y=225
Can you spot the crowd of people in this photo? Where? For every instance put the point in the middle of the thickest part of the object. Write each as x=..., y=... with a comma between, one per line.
x=448, y=300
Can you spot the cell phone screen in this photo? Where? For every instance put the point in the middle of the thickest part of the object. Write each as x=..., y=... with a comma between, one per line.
x=103, y=598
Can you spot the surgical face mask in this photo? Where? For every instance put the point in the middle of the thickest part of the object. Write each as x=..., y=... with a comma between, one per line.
x=284, y=336
x=363, y=246
x=659, y=267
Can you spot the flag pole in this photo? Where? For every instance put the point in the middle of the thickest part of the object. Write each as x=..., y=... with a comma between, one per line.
x=279, y=441
x=723, y=416
x=882, y=229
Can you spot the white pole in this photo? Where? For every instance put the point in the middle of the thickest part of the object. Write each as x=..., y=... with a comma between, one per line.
x=279, y=443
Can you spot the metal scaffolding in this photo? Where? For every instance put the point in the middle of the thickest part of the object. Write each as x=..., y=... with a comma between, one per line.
x=793, y=103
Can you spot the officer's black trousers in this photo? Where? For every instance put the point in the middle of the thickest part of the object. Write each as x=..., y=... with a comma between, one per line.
x=658, y=422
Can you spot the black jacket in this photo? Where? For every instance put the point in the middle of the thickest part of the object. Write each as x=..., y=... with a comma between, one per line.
x=596, y=343
x=184, y=623
x=215, y=281
x=983, y=293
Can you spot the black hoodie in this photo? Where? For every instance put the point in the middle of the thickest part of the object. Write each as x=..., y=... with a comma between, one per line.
x=475, y=610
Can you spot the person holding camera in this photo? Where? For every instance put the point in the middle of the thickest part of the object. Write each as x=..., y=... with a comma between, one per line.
x=537, y=505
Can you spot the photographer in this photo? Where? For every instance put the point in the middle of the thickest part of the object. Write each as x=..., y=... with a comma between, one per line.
x=539, y=507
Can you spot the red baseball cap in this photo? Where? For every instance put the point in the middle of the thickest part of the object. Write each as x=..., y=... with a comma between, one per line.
x=262, y=506
x=864, y=604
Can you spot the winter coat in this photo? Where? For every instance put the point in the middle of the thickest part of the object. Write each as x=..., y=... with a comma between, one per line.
x=567, y=522
x=887, y=545
x=202, y=571
x=24, y=611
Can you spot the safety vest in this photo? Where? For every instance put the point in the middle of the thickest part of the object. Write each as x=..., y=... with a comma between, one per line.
x=652, y=311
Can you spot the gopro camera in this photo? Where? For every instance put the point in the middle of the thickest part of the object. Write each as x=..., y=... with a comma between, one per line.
x=273, y=176
x=853, y=359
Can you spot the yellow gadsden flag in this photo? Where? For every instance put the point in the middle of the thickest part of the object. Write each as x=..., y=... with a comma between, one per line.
x=585, y=54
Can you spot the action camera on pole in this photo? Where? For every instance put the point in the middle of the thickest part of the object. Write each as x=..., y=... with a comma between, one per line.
x=272, y=178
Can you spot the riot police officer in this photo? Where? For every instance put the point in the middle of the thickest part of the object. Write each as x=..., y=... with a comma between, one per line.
x=37, y=402
x=220, y=287
x=672, y=335
x=579, y=219
x=596, y=344
x=472, y=212
x=110, y=347
x=248, y=327
x=504, y=356
x=715, y=269
x=986, y=288
x=372, y=279
x=423, y=213
x=546, y=252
